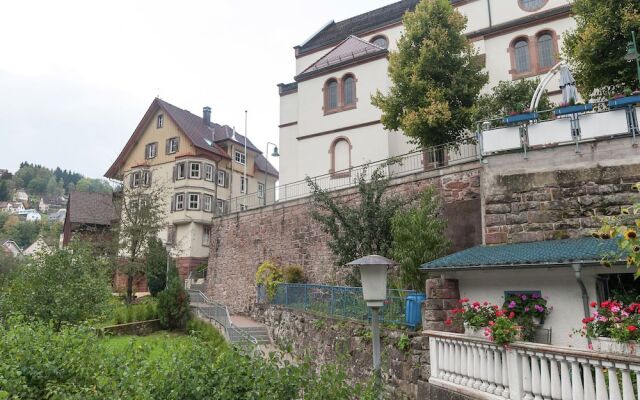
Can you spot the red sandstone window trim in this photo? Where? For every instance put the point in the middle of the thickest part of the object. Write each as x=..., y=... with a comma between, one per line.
x=332, y=151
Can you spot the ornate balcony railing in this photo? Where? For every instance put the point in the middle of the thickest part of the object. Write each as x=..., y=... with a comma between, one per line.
x=527, y=371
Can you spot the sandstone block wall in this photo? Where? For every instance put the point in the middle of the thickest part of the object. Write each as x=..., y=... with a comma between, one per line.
x=285, y=232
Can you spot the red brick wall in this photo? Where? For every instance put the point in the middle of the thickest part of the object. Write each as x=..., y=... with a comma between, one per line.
x=286, y=233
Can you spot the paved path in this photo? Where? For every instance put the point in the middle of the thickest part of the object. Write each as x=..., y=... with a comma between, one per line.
x=245, y=322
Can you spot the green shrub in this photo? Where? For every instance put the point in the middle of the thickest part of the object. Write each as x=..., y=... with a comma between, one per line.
x=206, y=332
x=129, y=314
x=173, y=304
x=269, y=275
x=293, y=274
x=156, y=266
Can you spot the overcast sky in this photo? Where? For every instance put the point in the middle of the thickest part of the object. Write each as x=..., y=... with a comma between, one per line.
x=76, y=77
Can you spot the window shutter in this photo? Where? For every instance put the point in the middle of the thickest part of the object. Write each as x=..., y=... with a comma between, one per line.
x=201, y=169
x=131, y=180
x=150, y=177
x=178, y=144
x=166, y=146
x=175, y=172
x=226, y=180
x=173, y=203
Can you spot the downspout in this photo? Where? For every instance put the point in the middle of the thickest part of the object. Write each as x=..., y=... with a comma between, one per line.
x=577, y=268
x=489, y=12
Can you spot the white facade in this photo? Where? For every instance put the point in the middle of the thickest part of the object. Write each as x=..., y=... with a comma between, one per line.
x=310, y=137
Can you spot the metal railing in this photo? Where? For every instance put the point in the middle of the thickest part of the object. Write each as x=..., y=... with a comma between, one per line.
x=219, y=315
x=431, y=158
x=339, y=301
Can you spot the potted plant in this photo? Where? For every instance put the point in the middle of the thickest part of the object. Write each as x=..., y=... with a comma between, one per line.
x=504, y=329
x=572, y=108
x=614, y=327
x=530, y=310
x=520, y=114
x=475, y=316
x=627, y=98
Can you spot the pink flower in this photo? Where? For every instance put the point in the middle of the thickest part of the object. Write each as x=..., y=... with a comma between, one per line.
x=512, y=304
x=615, y=308
x=523, y=297
x=526, y=309
x=538, y=308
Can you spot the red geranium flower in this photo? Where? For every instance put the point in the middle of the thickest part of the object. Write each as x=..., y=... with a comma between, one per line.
x=511, y=315
x=448, y=322
x=593, y=304
x=632, y=328
x=587, y=320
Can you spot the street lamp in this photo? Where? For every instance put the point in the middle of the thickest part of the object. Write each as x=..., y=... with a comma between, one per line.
x=373, y=274
x=632, y=53
x=266, y=168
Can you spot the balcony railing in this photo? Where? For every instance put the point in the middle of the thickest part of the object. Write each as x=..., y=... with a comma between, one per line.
x=573, y=128
x=431, y=158
x=528, y=371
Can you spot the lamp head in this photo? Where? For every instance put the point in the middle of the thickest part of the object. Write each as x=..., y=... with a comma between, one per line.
x=632, y=53
x=373, y=273
x=275, y=152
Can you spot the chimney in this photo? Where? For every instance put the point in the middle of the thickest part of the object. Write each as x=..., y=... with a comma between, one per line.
x=206, y=115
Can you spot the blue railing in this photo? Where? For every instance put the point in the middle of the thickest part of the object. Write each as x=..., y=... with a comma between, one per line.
x=347, y=302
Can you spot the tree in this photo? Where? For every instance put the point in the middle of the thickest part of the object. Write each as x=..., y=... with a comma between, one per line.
x=418, y=237
x=360, y=226
x=22, y=232
x=92, y=185
x=436, y=75
x=156, y=266
x=68, y=285
x=173, y=303
x=596, y=48
x=142, y=213
x=507, y=97
x=5, y=193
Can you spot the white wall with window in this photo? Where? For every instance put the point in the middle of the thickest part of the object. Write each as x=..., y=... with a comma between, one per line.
x=240, y=157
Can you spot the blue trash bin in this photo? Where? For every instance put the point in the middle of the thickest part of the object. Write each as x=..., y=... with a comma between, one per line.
x=413, y=312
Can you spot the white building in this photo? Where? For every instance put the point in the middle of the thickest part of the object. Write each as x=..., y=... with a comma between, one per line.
x=327, y=121
x=21, y=195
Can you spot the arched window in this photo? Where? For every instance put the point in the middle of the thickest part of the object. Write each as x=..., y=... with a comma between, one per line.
x=546, y=58
x=380, y=41
x=521, y=55
x=340, y=153
x=531, y=5
x=349, y=90
x=331, y=95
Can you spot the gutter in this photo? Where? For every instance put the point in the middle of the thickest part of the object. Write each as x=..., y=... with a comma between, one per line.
x=577, y=268
x=507, y=266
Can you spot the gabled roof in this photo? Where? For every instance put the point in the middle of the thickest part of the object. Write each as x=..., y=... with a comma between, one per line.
x=263, y=165
x=358, y=25
x=586, y=250
x=350, y=50
x=91, y=208
x=224, y=132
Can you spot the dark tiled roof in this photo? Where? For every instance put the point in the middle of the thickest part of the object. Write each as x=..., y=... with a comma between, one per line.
x=263, y=165
x=337, y=31
x=91, y=208
x=194, y=127
x=349, y=50
x=286, y=88
x=224, y=132
x=548, y=252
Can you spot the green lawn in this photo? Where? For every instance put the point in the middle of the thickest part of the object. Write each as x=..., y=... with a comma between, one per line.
x=160, y=344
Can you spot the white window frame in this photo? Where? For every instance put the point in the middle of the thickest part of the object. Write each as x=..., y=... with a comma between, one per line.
x=243, y=184
x=146, y=178
x=198, y=170
x=184, y=170
x=151, y=150
x=197, y=197
x=207, y=203
x=173, y=141
x=206, y=235
x=243, y=207
x=160, y=121
x=208, y=172
x=179, y=203
x=240, y=157
x=135, y=181
x=261, y=192
x=220, y=205
x=221, y=178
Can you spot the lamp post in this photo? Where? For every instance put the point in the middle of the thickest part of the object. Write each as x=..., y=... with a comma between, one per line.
x=266, y=168
x=373, y=274
x=632, y=53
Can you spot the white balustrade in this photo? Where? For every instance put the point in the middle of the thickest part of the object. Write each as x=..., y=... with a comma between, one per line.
x=483, y=370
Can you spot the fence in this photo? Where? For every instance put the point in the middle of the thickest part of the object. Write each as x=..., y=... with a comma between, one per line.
x=430, y=158
x=345, y=302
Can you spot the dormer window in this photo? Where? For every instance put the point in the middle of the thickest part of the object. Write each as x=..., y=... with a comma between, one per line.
x=240, y=157
x=160, y=121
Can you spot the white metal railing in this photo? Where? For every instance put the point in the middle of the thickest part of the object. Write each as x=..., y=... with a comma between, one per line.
x=431, y=158
x=527, y=371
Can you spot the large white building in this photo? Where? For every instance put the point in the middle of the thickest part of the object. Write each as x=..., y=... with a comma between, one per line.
x=327, y=121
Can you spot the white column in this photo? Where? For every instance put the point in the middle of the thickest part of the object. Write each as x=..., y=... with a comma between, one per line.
x=514, y=365
x=497, y=371
x=456, y=363
x=490, y=370
x=614, y=387
x=589, y=388
x=627, y=385
x=536, y=385
x=433, y=356
x=470, y=367
x=505, y=375
x=483, y=368
x=577, y=392
x=463, y=364
x=526, y=377
x=441, y=359
x=565, y=379
x=446, y=364
x=545, y=379
x=601, y=384
x=477, y=374
x=556, y=388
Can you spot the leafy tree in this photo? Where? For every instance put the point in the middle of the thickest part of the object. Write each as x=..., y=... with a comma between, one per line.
x=418, y=237
x=142, y=214
x=23, y=232
x=92, y=185
x=360, y=226
x=5, y=192
x=173, y=303
x=436, y=77
x=156, y=266
x=67, y=285
x=596, y=48
x=508, y=96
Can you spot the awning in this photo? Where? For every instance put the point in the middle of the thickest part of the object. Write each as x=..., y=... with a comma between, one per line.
x=586, y=250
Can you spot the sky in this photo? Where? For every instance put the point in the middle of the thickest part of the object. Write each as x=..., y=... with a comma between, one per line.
x=76, y=77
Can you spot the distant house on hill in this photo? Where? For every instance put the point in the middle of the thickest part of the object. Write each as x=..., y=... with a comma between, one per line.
x=57, y=216
x=51, y=203
x=12, y=248
x=11, y=208
x=89, y=216
x=37, y=247
x=21, y=195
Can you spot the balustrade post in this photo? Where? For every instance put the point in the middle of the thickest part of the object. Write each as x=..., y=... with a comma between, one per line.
x=627, y=385
x=497, y=371
x=483, y=368
x=477, y=367
x=577, y=391
x=470, y=366
x=536, y=385
x=601, y=384
x=526, y=377
x=433, y=357
x=447, y=361
x=463, y=364
x=515, y=374
x=565, y=380
x=614, y=387
x=636, y=371
x=505, y=375
x=556, y=388
x=456, y=362
x=490, y=370
x=589, y=389
x=545, y=379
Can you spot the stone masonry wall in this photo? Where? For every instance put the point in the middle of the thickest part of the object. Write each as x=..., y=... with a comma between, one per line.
x=285, y=233
x=555, y=204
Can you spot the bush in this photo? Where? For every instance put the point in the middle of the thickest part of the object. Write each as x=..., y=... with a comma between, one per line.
x=156, y=266
x=269, y=275
x=173, y=303
x=68, y=285
x=293, y=274
x=206, y=332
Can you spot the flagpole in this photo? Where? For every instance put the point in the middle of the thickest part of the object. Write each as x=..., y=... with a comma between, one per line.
x=246, y=186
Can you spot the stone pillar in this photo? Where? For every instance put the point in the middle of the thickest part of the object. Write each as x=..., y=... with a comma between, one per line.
x=443, y=297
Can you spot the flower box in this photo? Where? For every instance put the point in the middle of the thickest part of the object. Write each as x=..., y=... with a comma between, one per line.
x=474, y=332
x=624, y=101
x=574, y=109
x=524, y=117
x=608, y=345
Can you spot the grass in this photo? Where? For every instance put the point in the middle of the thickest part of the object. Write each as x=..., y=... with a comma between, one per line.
x=157, y=343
